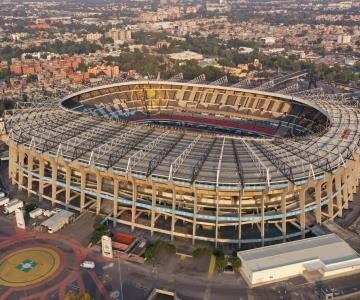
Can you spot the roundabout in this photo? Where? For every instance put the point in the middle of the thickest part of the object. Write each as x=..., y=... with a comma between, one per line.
x=38, y=266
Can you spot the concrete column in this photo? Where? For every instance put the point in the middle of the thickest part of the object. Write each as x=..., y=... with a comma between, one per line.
x=345, y=190
x=153, y=203
x=329, y=193
x=82, y=188
x=240, y=214
x=347, y=178
x=217, y=199
x=21, y=172
x=67, y=182
x=13, y=159
x=30, y=177
x=318, y=202
x=353, y=175
x=262, y=228
x=339, y=194
x=54, y=168
x=283, y=217
x=195, y=209
x=133, y=207
x=173, y=208
x=98, y=192
x=41, y=173
x=115, y=202
x=302, y=215
x=356, y=172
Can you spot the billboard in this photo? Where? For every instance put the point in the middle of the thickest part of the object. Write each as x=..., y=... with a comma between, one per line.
x=20, y=222
x=106, y=246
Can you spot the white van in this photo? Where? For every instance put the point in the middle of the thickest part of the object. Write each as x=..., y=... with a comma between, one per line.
x=87, y=264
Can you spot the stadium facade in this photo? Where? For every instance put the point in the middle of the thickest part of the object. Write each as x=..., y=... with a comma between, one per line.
x=191, y=160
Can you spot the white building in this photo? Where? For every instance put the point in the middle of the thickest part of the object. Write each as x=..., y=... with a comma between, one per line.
x=58, y=221
x=344, y=39
x=269, y=40
x=186, y=55
x=93, y=36
x=119, y=35
x=324, y=256
x=222, y=6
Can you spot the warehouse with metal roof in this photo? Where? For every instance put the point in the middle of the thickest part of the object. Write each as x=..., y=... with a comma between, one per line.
x=320, y=257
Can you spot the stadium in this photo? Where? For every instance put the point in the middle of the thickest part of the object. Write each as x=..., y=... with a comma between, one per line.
x=194, y=160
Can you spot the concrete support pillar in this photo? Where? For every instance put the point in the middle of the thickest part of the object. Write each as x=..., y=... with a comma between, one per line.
x=153, y=203
x=262, y=227
x=356, y=171
x=217, y=199
x=240, y=214
x=351, y=184
x=318, y=202
x=173, y=208
x=195, y=210
x=345, y=190
x=21, y=165
x=67, y=182
x=302, y=215
x=30, y=170
x=133, y=207
x=13, y=160
x=115, y=203
x=329, y=194
x=82, y=189
x=283, y=213
x=98, y=192
x=41, y=173
x=339, y=194
x=54, y=169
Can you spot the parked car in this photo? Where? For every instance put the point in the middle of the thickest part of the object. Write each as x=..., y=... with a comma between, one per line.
x=87, y=264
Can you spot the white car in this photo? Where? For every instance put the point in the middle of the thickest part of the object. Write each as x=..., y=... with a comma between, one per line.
x=87, y=264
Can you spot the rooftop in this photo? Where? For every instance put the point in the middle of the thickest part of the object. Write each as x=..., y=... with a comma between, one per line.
x=328, y=248
x=58, y=217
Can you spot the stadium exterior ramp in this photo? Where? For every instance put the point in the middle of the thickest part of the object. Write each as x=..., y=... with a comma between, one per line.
x=251, y=167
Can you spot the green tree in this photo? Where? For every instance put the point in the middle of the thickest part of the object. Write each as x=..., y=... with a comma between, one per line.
x=235, y=262
x=357, y=66
x=221, y=263
x=99, y=231
x=106, y=40
x=150, y=253
x=30, y=206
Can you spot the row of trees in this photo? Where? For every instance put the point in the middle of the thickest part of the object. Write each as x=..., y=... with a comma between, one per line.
x=68, y=47
x=143, y=63
x=336, y=73
x=59, y=47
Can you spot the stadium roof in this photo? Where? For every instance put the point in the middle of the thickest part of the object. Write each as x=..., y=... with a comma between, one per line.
x=190, y=157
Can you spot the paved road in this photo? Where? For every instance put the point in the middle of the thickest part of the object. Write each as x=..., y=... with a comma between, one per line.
x=188, y=277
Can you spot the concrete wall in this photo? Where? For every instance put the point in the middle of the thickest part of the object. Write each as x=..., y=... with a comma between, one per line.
x=341, y=267
x=274, y=274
